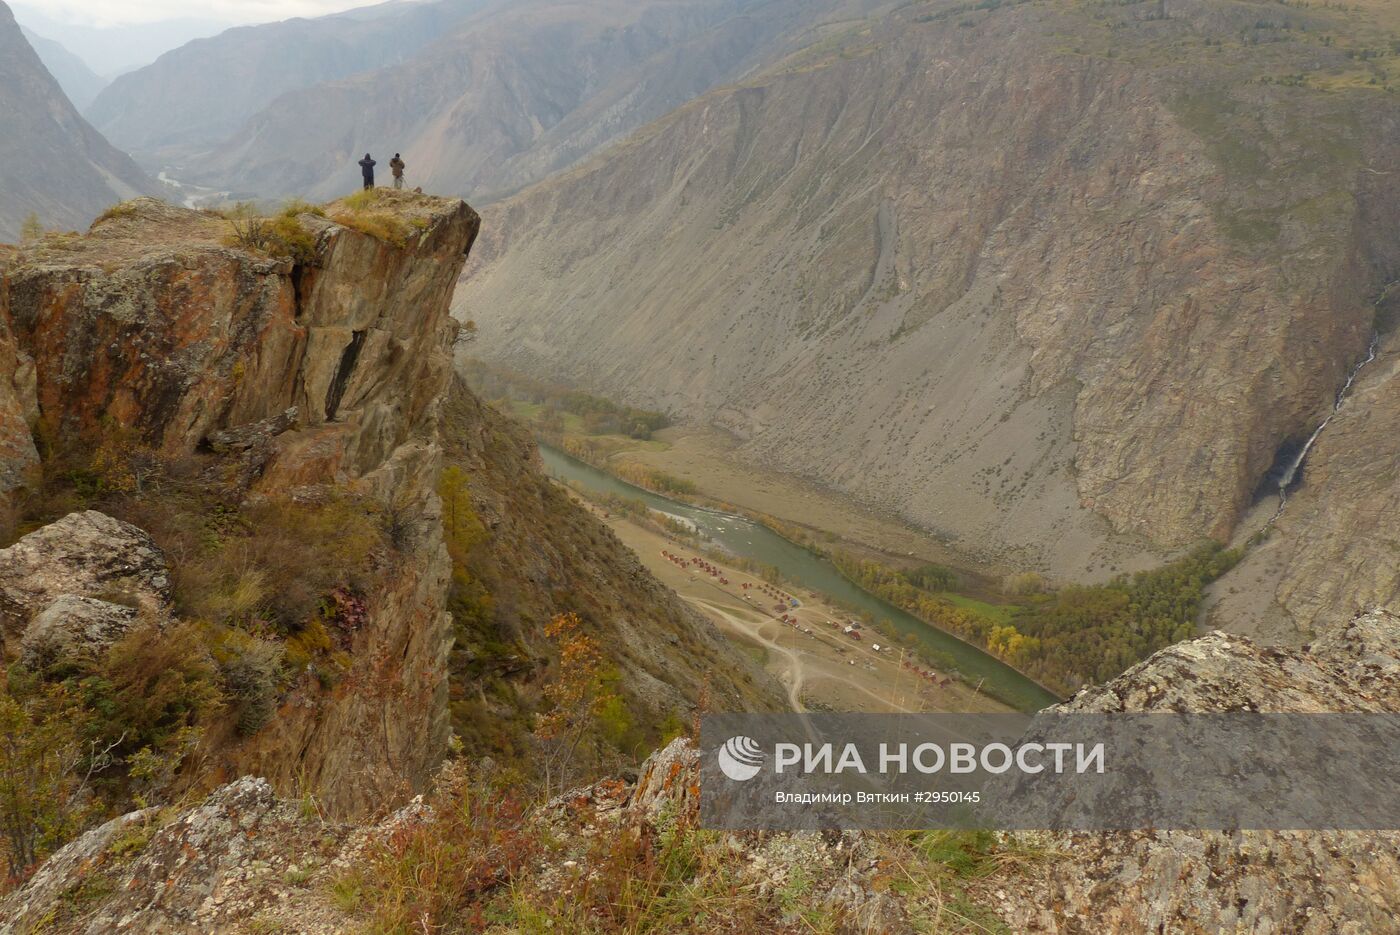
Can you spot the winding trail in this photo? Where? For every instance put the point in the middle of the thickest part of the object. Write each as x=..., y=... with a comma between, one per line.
x=796, y=670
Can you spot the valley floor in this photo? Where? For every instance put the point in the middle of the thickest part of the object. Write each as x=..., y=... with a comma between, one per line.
x=821, y=670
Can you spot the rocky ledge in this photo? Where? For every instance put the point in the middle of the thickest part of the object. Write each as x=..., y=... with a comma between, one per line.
x=1300, y=882
x=300, y=357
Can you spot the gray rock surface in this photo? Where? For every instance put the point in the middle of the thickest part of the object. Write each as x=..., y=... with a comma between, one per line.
x=215, y=867
x=87, y=554
x=73, y=629
x=1303, y=883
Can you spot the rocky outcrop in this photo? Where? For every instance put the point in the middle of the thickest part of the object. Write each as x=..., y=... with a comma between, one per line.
x=1060, y=301
x=1250, y=881
x=323, y=375
x=83, y=555
x=240, y=855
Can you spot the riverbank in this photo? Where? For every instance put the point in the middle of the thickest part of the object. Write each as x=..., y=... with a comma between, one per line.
x=820, y=666
x=801, y=567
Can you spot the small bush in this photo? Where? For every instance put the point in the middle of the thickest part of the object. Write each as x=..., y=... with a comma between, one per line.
x=152, y=685
x=276, y=561
x=441, y=875
x=295, y=207
x=123, y=209
x=32, y=229
x=251, y=671
x=43, y=783
x=280, y=236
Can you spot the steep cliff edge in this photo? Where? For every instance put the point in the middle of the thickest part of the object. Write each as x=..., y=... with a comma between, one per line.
x=289, y=384
x=1054, y=280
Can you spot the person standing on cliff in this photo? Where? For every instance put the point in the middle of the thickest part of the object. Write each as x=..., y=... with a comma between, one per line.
x=396, y=166
x=367, y=165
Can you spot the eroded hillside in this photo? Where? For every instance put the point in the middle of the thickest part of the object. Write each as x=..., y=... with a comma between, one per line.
x=1055, y=280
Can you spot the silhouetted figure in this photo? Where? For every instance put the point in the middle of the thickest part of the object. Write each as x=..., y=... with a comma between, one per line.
x=367, y=165
x=396, y=166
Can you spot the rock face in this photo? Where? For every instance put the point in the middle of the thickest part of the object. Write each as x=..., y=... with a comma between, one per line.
x=214, y=867
x=1304, y=882
x=52, y=162
x=1061, y=304
x=83, y=555
x=19, y=410
x=152, y=323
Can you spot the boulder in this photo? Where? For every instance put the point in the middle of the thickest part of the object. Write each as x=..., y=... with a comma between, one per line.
x=86, y=554
x=668, y=781
x=73, y=629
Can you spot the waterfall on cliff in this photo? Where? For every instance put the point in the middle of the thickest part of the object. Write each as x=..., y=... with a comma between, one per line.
x=1291, y=472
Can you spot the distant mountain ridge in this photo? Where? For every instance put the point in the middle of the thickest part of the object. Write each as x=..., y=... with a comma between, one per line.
x=52, y=162
x=79, y=82
x=515, y=91
x=112, y=50
x=193, y=98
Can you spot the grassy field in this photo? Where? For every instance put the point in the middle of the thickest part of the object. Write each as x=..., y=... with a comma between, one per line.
x=997, y=613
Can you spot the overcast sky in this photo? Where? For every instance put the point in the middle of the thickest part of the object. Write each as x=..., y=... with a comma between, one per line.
x=108, y=13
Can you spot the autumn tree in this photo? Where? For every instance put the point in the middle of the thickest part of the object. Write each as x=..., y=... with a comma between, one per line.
x=574, y=698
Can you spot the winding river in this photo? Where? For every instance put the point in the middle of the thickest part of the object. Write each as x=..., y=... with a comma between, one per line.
x=742, y=536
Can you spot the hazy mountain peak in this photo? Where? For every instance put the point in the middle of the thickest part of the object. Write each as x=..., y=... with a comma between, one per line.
x=52, y=163
x=78, y=81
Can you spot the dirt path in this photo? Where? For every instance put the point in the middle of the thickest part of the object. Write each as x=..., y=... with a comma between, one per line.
x=794, y=671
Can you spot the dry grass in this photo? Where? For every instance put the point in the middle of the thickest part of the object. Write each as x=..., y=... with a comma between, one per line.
x=365, y=212
x=491, y=860
x=281, y=235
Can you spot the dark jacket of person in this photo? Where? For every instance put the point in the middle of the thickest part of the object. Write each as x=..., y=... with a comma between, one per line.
x=367, y=167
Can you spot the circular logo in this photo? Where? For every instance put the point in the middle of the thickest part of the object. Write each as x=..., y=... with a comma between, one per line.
x=740, y=758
